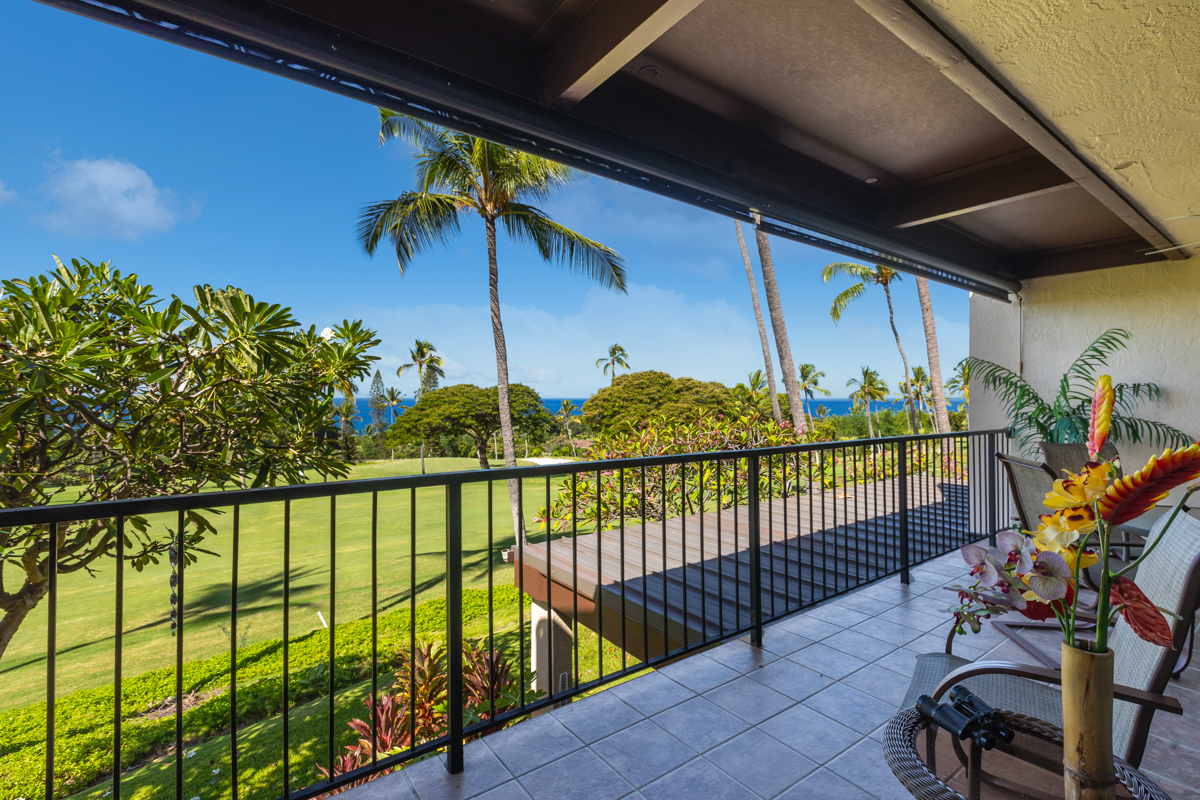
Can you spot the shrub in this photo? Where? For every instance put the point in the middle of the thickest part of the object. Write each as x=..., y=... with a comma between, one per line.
x=636, y=398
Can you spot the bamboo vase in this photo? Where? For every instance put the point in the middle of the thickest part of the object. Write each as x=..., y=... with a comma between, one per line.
x=1087, y=690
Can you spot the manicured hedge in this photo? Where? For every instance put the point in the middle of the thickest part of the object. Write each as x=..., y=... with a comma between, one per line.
x=83, y=720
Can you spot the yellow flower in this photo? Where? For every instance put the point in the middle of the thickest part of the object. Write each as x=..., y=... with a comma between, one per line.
x=1082, y=489
x=1102, y=408
x=1068, y=553
x=1063, y=528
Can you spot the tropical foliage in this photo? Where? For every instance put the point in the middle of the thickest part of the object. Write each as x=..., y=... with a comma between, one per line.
x=424, y=358
x=871, y=389
x=617, y=357
x=960, y=382
x=809, y=379
x=1065, y=418
x=635, y=398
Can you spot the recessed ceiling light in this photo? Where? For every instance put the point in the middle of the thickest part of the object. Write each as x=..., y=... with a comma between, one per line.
x=872, y=180
x=648, y=72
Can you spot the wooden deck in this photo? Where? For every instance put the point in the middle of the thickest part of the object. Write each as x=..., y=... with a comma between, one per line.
x=689, y=577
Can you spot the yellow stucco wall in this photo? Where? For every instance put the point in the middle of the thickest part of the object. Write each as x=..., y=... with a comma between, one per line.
x=1158, y=303
x=1118, y=80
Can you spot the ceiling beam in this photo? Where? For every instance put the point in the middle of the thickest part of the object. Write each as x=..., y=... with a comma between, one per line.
x=603, y=40
x=989, y=186
x=1102, y=255
x=915, y=30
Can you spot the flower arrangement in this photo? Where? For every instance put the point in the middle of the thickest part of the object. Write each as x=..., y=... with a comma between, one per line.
x=1036, y=573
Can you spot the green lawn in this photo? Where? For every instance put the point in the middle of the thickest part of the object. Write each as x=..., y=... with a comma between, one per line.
x=86, y=604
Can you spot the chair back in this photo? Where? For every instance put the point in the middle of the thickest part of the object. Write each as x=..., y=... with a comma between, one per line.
x=1170, y=578
x=1071, y=457
x=1029, y=482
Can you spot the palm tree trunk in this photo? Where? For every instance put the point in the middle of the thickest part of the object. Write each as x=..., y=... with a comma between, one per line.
x=870, y=425
x=907, y=380
x=506, y=427
x=762, y=329
x=775, y=308
x=935, y=363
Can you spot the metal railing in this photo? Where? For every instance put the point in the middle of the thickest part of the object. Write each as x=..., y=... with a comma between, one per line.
x=640, y=560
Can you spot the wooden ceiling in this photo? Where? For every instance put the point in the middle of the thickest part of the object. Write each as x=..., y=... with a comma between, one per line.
x=851, y=124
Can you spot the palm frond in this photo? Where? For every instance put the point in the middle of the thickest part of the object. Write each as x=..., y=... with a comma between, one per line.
x=414, y=222
x=844, y=299
x=1130, y=395
x=1082, y=373
x=1031, y=416
x=1157, y=434
x=557, y=243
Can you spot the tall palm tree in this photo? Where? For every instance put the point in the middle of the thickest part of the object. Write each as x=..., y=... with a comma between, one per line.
x=878, y=275
x=870, y=389
x=392, y=398
x=960, y=382
x=616, y=358
x=941, y=413
x=564, y=415
x=810, y=384
x=427, y=363
x=922, y=388
x=459, y=174
x=762, y=329
x=775, y=309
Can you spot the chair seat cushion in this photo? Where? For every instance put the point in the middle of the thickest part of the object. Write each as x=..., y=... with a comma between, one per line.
x=999, y=691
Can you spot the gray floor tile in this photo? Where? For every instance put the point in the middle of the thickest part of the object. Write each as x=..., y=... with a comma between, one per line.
x=760, y=763
x=870, y=606
x=877, y=734
x=788, y=677
x=810, y=734
x=837, y=615
x=651, y=693
x=697, y=779
x=699, y=724
x=532, y=743
x=891, y=632
x=781, y=642
x=936, y=643
x=595, y=717
x=739, y=656
x=481, y=771
x=851, y=708
x=824, y=785
x=389, y=787
x=864, y=766
x=859, y=644
x=880, y=683
x=827, y=661
x=578, y=776
x=749, y=700
x=816, y=629
x=903, y=662
x=917, y=620
x=643, y=753
x=506, y=791
x=698, y=673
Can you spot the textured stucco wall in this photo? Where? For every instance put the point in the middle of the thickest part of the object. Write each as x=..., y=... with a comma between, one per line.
x=1158, y=303
x=1119, y=80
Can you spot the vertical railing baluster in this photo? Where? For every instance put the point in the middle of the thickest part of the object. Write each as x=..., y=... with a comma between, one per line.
x=454, y=623
x=621, y=511
x=51, y=651
x=662, y=496
x=645, y=576
x=412, y=615
x=599, y=579
x=491, y=590
x=720, y=557
x=179, y=554
x=992, y=526
x=233, y=604
x=375, y=624
x=575, y=573
x=287, y=596
x=703, y=567
x=771, y=530
x=756, y=631
x=683, y=555
x=118, y=642
x=902, y=479
x=330, y=623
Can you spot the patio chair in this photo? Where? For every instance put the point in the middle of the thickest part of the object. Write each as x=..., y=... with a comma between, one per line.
x=1071, y=457
x=1171, y=579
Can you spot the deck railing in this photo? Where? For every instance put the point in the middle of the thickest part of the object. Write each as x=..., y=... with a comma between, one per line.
x=623, y=565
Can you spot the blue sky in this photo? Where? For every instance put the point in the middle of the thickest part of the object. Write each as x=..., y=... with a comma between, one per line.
x=188, y=169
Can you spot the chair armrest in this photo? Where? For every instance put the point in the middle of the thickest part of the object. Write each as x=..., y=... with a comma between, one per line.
x=1158, y=702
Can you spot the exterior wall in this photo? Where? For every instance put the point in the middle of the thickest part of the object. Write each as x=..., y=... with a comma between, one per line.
x=1060, y=315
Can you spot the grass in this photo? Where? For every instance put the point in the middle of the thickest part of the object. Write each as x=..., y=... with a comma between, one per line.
x=86, y=614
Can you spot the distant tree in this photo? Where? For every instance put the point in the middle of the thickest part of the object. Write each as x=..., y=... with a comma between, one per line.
x=937, y=393
x=810, y=383
x=467, y=410
x=109, y=390
x=775, y=308
x=427, y=363
x=347, y=414
x=960, y=382
x=870, y=389
x=754, y=397
x=377, y=402
x=565, y=411
x=616, y=358
x=635, y=398
x=762, y=329
x=821, y=411
x=394, y=399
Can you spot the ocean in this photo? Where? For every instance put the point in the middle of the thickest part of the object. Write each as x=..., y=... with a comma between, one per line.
x=836, y=405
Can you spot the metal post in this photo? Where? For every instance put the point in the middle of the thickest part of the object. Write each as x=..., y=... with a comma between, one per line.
x=902, y=477
x=991, y=489
x=756, y=632
x=454, y=634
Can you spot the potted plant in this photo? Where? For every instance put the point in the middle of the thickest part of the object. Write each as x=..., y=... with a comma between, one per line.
x=1036, y=574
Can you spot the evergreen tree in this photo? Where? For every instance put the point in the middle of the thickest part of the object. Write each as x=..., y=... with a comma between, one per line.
x=377, y=400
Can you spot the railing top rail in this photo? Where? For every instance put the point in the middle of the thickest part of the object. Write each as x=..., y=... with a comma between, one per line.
x=75, y=512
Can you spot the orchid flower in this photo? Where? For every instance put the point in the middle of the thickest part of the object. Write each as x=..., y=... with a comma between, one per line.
x=983, y=564
x=1050, y=578
x=1019, y=549
x=1064, y=527
x=1079, y=490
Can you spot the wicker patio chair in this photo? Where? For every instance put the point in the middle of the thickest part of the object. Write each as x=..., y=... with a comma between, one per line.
x=1071, y=457
x=1170, y=577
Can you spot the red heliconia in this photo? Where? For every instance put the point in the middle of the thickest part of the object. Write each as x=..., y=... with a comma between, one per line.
x=1143, y=617
x=1135, y=494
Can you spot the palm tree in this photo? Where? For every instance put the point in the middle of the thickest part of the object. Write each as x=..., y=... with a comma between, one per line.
x=809, y=382
x=878, y=275
x=775, y=309
x=459, y=174
x=564, y=415
x=870, y=389
x=935, y=362
x=762, y=329
x=615, y=358
x=392, y=398
x=428, y=363
x=921, y=392
x=960, y=382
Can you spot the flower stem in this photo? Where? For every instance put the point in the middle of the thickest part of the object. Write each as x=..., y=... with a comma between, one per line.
x=1103, y=608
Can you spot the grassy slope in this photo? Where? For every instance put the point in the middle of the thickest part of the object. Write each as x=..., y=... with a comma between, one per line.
x=86, y=604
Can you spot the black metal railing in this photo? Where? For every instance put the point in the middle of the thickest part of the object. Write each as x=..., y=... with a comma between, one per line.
x=630, y=562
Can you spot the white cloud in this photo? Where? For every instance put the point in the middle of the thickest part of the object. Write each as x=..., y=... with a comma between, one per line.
x=7, y=195
x=109, y=198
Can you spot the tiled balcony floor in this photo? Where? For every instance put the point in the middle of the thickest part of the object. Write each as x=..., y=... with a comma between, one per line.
x=799, y=720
